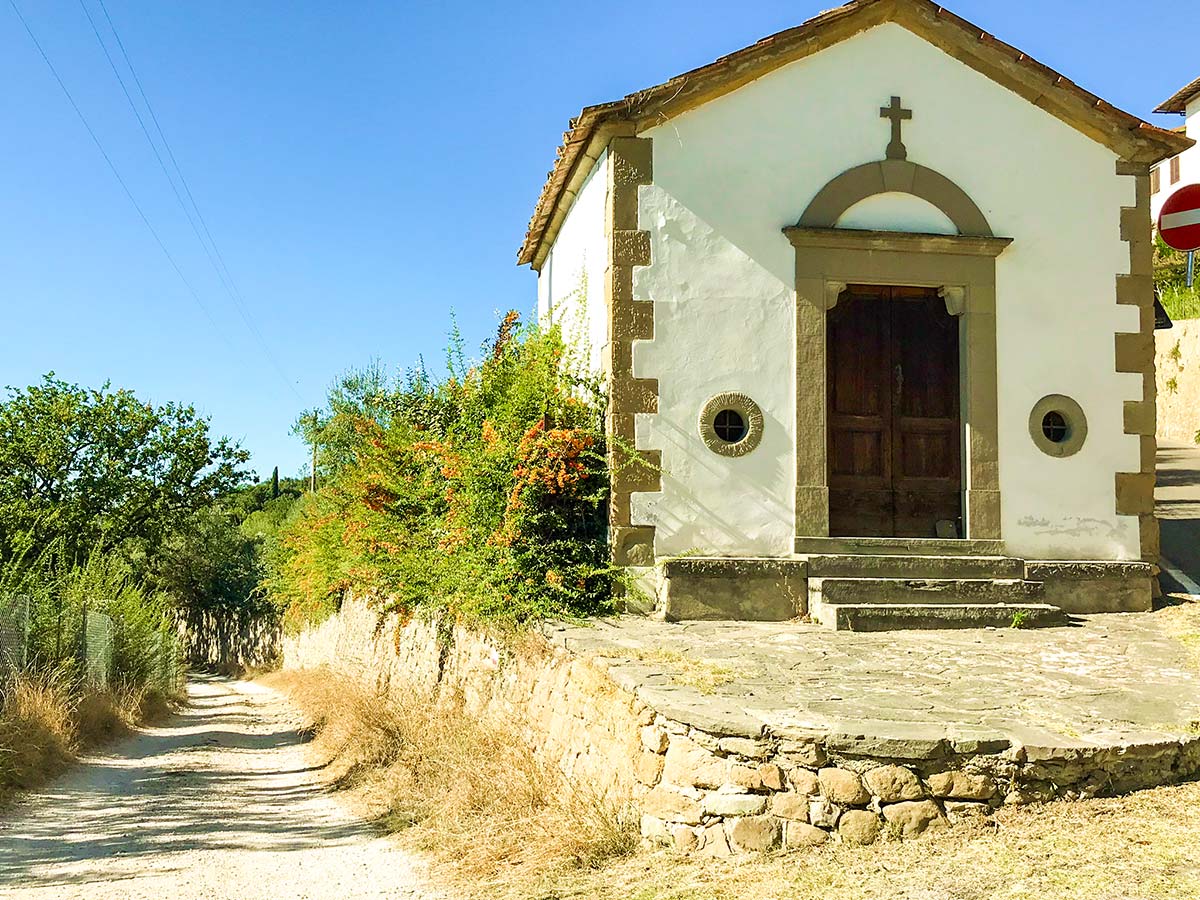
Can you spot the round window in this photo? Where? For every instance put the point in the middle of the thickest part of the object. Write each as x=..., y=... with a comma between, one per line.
x=1057, y=425
x=1054, y=427
x=731, y=424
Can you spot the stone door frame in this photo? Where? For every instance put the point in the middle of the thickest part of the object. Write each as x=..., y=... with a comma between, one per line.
x=963, y=268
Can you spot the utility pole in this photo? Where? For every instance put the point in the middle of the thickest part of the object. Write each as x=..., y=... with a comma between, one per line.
x=312, y=485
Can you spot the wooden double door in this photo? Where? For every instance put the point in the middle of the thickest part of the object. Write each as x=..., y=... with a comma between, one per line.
x=893, y=420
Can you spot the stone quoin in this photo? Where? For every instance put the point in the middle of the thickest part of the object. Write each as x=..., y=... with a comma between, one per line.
x=873, y=301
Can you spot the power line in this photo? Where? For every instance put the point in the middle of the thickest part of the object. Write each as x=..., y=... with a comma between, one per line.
x=112, y=167
x=215, y=258
x=158, y=128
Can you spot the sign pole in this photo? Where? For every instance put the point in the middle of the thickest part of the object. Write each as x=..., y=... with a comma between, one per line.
x=1191, y=267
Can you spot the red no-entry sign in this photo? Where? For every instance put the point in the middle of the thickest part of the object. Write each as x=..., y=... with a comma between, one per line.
x=1179, y=221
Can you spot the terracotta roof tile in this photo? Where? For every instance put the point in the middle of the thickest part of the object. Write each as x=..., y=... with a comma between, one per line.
x=1178, y=102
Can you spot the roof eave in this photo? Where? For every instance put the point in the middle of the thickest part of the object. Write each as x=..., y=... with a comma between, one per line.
x=1132, y=138
x=1180, y=99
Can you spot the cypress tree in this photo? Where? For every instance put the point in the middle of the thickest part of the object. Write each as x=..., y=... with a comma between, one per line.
x=275, y=483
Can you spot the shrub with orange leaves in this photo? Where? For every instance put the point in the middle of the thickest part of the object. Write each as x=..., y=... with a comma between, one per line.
x=483, y=492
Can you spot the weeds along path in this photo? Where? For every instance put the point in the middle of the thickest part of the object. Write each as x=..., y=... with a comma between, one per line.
x=220, y=802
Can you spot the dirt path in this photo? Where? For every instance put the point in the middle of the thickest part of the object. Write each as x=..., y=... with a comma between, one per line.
x=221, y=802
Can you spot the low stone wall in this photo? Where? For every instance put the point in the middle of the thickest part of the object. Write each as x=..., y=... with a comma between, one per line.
x=1177, y=368
x=721, y=783
x=570, y=709
x=231, y=640
x=721, y=795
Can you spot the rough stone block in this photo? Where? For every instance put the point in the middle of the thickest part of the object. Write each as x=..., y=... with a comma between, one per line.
x=914, y=816
x=803, y=752
x=686, y=840
x=755, y=833
x=799, y=834
x=843, y=787
x=745, y=777
x=915, y=747
x=790, y=806
x=654, y=739
x=715, y=841
x=804, y=782
x=772, y=777
x=649, y=768
x=823, y=813
x=744, y=747
x=720, y=803
x=631, y=248
x=961, y=786
x=858, y=826
x=672, y=806
x=690, y=764
x=891, y=784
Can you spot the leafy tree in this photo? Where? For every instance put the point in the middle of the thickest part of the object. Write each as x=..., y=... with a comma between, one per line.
x=244, y=502
x=209, y=566
x=363, y=393
x=96, y=469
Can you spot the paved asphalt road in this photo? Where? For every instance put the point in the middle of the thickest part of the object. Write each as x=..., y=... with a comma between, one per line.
x=1177, y=499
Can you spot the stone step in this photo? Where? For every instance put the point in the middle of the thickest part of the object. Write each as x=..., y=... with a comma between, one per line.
x=913, y=616
x=923, y=591
x=892, y=546
x=897, y=566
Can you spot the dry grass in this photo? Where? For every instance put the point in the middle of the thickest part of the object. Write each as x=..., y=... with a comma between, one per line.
x=37, y=731
x=470, y=793
x=45, y=721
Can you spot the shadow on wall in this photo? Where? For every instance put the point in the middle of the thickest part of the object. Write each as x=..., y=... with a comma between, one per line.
x=232, y=641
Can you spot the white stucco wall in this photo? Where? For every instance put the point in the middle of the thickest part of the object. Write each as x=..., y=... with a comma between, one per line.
x=1189, y=162
x=571, y=282
x=729, y=175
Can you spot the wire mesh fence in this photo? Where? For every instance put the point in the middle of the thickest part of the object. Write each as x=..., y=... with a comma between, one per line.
x=14, y=636
x=93, y=645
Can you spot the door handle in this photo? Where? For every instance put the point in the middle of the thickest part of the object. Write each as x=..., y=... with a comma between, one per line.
x=899, y=380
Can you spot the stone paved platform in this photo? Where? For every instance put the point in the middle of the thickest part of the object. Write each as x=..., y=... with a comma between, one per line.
x=1112, y=680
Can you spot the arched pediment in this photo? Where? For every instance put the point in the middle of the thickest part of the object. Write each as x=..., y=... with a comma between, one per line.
x=895, y=176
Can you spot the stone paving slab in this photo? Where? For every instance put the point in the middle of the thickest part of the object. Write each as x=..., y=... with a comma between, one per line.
x=1110, y=681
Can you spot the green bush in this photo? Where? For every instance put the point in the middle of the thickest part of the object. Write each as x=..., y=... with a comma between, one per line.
x=483, y=493
x=59, y=594
x=1170, y=277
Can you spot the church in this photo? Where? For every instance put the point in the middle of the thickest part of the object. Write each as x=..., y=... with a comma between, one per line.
x=873, y=300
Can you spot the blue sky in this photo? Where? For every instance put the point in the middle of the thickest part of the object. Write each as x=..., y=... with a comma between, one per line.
x=365, y=169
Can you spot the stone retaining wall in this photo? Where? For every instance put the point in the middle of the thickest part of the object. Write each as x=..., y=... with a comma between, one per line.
x=569, y=709
x=1177, y=372
x=714, y=793
x=721, y=795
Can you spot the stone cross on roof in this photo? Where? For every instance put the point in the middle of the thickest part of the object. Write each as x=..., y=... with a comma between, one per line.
x=896, y=112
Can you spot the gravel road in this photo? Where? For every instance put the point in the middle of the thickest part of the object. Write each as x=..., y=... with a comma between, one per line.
x=220, y=802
